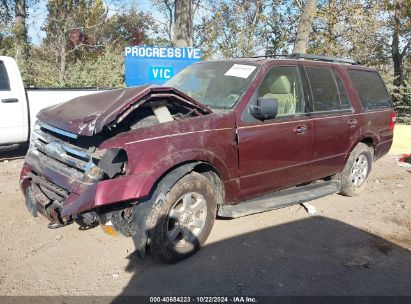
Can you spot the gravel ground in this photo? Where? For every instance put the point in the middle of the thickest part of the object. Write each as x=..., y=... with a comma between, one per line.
x=352, y=246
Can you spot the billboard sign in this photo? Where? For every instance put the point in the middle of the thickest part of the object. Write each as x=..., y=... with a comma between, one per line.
x=156, y=65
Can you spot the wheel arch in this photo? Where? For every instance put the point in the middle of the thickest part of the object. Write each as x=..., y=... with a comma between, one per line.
x=169, y=177
x=369, y=139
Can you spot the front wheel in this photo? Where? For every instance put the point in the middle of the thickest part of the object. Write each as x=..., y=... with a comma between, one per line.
x=180, y=223
x=355, y=173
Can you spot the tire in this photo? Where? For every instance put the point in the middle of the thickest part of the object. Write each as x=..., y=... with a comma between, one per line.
x=86, y=220
x=180, y=223
x=354, y=176
x=122, y=222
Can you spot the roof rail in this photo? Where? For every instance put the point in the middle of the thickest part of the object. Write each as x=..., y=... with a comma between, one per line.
x=322, y=58
x=271, y=56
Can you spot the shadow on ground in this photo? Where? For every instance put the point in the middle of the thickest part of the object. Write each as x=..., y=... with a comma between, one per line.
x=315, y=256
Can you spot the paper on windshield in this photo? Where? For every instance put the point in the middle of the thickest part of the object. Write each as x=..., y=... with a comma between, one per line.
x=240, y=70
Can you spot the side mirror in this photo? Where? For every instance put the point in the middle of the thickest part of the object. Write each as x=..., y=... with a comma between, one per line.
x=266, y=108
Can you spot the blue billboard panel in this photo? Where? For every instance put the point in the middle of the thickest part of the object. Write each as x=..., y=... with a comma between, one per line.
x=156, y=65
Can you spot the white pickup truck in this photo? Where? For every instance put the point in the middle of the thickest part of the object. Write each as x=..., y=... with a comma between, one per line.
x=19, y=106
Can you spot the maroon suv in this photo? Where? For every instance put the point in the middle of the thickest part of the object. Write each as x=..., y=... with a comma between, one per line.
x=228, y=138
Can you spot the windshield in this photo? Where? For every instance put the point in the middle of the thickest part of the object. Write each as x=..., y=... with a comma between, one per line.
x=216, y=84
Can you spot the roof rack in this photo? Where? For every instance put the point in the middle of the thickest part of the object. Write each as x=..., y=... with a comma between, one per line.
x=322, y=58
x=310, y=57
x=271, y=56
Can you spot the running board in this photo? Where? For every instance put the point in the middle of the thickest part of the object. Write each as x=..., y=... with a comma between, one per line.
x=280, y=199
x=8, y=147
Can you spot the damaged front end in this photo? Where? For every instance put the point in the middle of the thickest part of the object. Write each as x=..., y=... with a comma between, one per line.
x=68, y=176
x=57, y=174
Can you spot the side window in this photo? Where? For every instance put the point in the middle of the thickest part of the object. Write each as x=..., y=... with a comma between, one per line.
x=283, y=83
x=371, y=89
x=345, y=100
x=4, y=79
x=323, y=88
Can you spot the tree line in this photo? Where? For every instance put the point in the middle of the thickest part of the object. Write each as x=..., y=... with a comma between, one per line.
x=84, y=39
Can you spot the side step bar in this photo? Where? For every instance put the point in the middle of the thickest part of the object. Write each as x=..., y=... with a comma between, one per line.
x=8, y=147
x=280, y=199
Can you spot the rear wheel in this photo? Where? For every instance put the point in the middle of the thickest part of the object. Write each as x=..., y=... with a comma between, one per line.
x=355, y=173
x=181, y=222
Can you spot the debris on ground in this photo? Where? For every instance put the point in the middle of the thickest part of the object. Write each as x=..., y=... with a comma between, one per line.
x=359, y=261
x=116, y=274
x=404, y=161
x=310, y=208
x=405, y=158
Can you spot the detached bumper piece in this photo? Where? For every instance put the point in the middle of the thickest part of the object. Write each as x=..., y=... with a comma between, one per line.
x=46, y=198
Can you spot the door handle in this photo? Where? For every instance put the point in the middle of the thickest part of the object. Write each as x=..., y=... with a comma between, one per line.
x=9, y=100
x=300, y=129
x=352, y=123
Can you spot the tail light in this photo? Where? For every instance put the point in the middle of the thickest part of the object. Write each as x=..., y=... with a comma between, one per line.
x=393, y=120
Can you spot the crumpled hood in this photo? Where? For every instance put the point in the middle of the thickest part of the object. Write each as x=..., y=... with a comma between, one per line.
x=87, y=115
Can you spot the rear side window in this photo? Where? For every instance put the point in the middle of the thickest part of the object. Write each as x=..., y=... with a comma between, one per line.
x=371, y=89
x=324, y=89
x=4, y=79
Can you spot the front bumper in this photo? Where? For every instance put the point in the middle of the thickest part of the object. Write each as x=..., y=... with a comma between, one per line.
x=51, y=189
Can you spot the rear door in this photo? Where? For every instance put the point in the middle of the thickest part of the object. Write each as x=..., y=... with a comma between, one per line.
x=13, y=110
x=334, y=120
x=275, y=153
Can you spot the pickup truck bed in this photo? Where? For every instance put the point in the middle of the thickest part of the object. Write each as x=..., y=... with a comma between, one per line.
x=19, y=106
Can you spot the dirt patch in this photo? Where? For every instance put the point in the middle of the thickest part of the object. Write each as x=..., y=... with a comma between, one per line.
x=405, y=223
x=352, y=246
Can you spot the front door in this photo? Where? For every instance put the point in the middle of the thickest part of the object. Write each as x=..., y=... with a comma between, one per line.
x=275, y=153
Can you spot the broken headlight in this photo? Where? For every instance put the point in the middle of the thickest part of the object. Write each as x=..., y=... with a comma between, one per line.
x=111, y=161
x=93, y=173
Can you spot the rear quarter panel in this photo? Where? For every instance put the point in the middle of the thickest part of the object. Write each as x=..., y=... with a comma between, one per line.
x=372, y=124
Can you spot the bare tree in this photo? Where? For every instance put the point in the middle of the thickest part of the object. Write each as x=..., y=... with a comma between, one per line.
x=183, y=23
x=20, y=30
x=304, y=27
x=66, y=26
x=400, y=24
